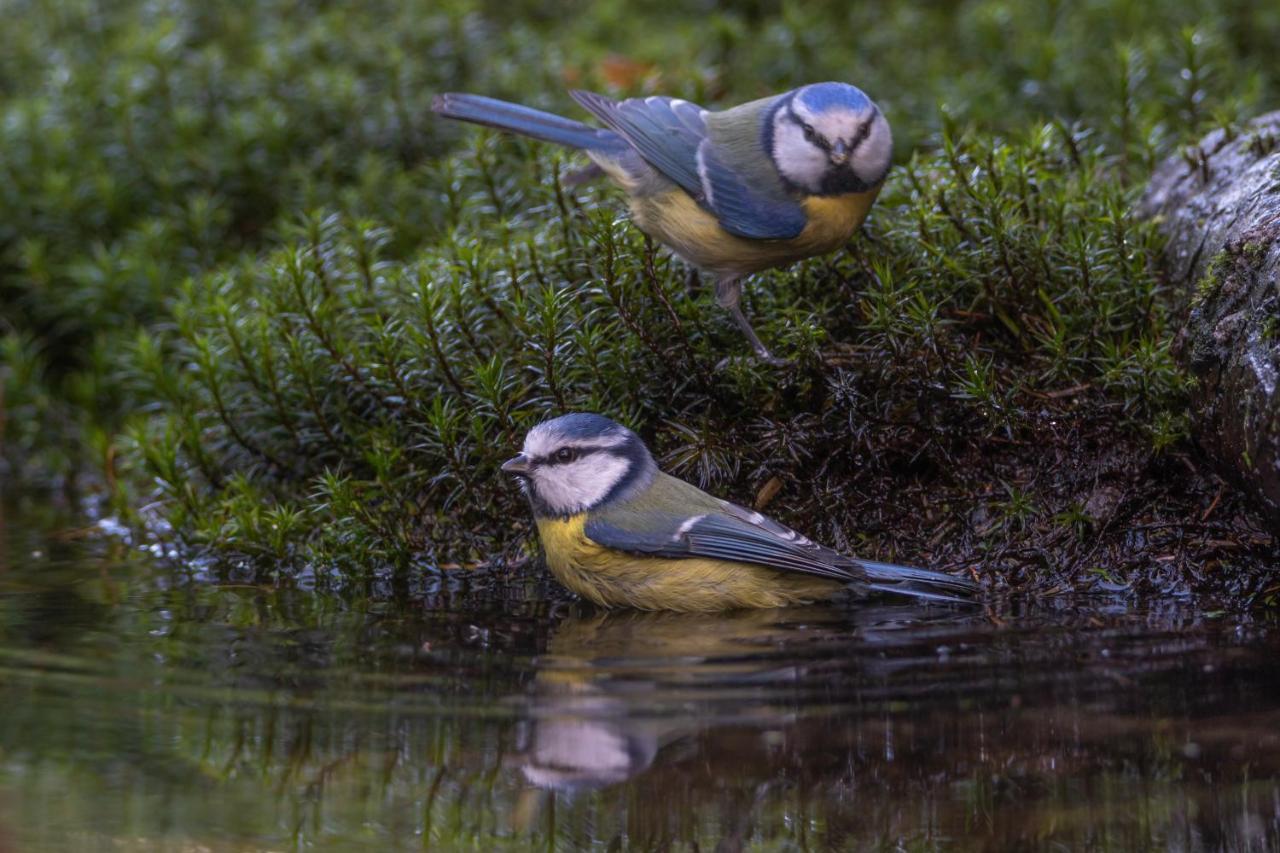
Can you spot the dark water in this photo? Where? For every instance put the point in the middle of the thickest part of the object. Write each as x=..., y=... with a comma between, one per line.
x=147, y=709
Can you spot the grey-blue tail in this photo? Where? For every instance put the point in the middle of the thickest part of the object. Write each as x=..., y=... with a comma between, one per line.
x=524, y=121
x=918, y=583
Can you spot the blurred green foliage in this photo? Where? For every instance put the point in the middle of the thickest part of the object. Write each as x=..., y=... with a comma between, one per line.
x=235, y=232
x=145, y=143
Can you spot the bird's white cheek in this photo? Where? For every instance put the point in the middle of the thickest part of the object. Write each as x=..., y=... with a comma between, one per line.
x=579, y=485
x=799, y=161
x=875, y=153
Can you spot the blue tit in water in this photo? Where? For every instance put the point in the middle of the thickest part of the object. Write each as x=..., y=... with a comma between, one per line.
x=621, y=533
x=732, y=192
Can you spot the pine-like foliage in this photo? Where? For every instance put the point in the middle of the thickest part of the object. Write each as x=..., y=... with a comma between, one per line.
x=330, y=402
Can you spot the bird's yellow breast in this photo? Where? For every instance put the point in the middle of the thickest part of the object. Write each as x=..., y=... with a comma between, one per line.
x=834, y=219
x=674, y=218
x=615, y=579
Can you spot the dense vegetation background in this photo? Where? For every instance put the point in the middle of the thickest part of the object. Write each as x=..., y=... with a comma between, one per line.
x=256, y=292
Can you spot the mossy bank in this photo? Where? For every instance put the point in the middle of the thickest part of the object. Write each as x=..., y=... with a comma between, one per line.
x=275, y=313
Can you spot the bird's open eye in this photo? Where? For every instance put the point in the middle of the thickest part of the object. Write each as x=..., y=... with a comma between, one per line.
x=566, y=454
x=864, y=130
x=813, y=137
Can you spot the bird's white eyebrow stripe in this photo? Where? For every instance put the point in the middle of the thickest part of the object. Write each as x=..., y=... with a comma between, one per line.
x=600, y=442
x=538, y=443
x=800, y=111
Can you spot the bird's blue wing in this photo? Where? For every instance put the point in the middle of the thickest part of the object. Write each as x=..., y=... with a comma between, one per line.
x=734, y=534
x=665, y=131
x=671, y=135
x=740, y=535
x=742, y=209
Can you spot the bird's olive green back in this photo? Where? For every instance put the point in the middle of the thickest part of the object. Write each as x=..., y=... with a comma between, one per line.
x=665, y=498
x=739, y=134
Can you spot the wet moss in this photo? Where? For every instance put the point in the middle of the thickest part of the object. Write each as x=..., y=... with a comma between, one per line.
x=1229, y=271
x=1211, y=282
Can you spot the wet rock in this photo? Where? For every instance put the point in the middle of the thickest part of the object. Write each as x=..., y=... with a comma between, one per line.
x=1218, y=203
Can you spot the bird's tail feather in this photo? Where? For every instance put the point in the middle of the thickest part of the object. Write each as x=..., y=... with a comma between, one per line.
x=917, y=583
x=523, y=120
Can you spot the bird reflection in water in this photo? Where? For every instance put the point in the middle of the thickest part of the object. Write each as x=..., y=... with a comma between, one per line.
x=618, y=692
x=674, y=727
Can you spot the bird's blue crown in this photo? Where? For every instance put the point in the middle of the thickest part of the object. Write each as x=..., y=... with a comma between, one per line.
x=581, y=425
x=822, y=97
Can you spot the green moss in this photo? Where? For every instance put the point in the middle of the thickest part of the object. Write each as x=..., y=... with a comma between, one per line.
x=333, y=402
x=236, y=234
x=1242, y=259
x=1254, y=253
x=1209, y=284
x=1269, y=325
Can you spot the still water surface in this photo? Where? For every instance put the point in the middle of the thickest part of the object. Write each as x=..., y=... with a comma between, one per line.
x=152, y=709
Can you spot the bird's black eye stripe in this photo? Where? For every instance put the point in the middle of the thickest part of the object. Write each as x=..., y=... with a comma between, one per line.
x=807, y=129
x=863, y=132
x=567, y=454
x=813, y=136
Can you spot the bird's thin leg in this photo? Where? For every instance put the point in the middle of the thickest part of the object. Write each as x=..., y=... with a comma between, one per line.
x=729, y=296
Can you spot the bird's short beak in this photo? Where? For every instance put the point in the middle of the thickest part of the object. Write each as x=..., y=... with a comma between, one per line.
x=518, y=464
x=839, y=153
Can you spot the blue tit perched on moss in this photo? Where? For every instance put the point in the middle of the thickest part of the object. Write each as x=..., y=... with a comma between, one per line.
x=621, y=533
x=733, y=192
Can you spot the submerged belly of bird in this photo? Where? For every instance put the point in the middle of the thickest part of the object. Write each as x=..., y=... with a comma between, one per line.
x=614, y=579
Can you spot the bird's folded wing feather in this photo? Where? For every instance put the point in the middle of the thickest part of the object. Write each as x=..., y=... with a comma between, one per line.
x=734, y=534
x=671, y=135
